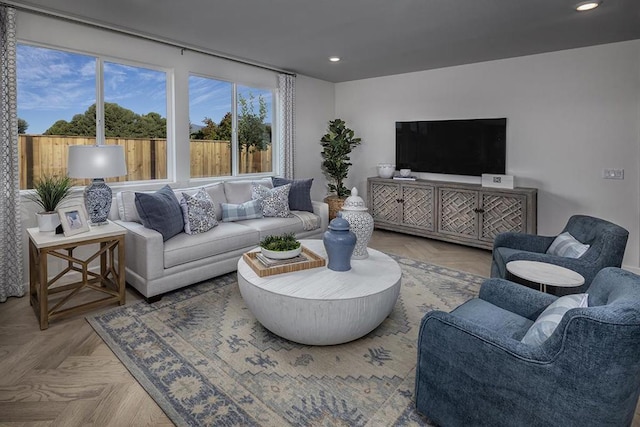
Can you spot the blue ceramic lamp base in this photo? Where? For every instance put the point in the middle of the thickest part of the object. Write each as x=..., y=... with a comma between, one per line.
x=97, y=200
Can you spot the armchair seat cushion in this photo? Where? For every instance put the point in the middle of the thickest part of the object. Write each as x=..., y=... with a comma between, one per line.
x=496, y=319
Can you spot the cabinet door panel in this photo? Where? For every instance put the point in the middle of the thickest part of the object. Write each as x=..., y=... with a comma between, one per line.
x=502, y=214
x=385, y=206
x=418, y=207
x=458, y=212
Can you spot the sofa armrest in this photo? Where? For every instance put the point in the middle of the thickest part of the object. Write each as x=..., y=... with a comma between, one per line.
x=322, y=210
x=144, y=249
x=515, y=298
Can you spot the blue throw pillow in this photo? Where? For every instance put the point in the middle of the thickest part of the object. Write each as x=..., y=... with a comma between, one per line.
x=160, y=211
x=247, y=210
x=300, y=193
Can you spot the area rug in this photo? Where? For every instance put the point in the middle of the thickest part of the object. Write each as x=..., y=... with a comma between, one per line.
x=206, y=361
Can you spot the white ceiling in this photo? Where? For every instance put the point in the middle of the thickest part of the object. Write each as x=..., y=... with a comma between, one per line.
x=373, y=37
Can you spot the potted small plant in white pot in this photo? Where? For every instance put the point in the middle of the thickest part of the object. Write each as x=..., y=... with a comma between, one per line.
x=337, y=144
x=280, y=247
x=49, y=192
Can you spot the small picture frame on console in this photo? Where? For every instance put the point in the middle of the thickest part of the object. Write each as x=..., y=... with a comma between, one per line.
x=73, y=220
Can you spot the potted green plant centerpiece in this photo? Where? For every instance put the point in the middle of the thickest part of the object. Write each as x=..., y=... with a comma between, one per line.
x=280, y=247
x=48, y=193
x=337, y=144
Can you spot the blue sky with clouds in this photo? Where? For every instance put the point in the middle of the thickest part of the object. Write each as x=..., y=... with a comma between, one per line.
x=54, y=85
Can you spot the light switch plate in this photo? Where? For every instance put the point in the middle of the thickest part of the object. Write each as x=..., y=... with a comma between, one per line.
x=613, y=174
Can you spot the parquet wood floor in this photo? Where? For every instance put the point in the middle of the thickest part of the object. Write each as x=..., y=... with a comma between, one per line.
x=67, y=376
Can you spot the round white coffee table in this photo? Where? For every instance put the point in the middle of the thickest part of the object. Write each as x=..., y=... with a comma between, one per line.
x=545, y=274
x=319, y=306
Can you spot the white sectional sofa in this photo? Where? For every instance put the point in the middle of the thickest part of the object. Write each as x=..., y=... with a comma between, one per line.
x=154, y=266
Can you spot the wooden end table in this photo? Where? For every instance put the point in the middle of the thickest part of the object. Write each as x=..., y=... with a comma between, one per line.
x=110, y=280
x=545, y=274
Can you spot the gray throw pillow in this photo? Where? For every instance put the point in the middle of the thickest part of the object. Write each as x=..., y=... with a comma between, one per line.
x=198, y=212
x=300, y=193
x=160, y=211
x=275, y=201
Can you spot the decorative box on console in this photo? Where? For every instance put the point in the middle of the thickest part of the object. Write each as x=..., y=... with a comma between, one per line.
x=497, y=181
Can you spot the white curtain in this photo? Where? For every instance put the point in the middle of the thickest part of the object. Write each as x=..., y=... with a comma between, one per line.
x=287, y=86
x=11, y=284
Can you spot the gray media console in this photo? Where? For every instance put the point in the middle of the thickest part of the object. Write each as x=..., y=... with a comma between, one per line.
x=468, y=214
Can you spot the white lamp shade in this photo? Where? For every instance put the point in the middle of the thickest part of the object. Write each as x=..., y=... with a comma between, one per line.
x=96, y=161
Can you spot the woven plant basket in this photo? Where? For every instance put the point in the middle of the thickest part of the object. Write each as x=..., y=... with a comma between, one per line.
x=335, y=205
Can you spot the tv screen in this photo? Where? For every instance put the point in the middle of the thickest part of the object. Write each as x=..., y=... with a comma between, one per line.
x=460, y=147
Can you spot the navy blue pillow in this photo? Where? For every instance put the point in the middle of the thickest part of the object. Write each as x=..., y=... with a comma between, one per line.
x=300, y=193
x=161, y=211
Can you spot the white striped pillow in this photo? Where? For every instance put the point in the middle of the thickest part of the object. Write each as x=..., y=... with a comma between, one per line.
x=550, y=318
x=567, y=246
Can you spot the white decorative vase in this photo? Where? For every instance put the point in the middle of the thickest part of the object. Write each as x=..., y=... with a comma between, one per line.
x=386, y=170
x=47, y=221
x=360, y=221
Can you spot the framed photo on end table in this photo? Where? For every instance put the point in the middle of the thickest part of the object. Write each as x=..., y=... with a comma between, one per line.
x=73, y=220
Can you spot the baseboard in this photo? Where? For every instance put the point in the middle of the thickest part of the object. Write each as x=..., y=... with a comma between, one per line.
x=635, y=270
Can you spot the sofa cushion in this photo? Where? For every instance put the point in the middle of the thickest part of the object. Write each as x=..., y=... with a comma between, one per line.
x=248, y=210
x=300, y=193
x=127, y=206
x=240, y=191
x=567, y=246
x=198, y=212
x=226, y=237
x=275, y=201
x=216, y=192
x=267, y=226
x=160, y=211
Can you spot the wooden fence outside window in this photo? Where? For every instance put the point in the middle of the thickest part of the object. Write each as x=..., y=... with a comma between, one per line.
x=146, y=158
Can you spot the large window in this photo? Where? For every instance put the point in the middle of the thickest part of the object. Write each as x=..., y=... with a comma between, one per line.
x=229, y=138
x=67, y=99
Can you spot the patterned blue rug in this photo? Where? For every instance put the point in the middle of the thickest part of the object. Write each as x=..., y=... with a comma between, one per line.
x=206, y=361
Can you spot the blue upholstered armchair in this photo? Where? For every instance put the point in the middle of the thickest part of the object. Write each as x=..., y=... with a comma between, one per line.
x=474, y=370
x=607, y=245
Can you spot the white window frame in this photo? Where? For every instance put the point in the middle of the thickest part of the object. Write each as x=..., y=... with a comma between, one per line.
x=275, y=134
x=100, y=134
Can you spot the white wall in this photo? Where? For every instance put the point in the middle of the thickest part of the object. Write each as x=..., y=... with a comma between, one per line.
x=570, y=115
x=314, y=109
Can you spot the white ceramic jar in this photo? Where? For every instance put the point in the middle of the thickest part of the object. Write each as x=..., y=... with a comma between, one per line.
x=360, y=221
x=386, y=170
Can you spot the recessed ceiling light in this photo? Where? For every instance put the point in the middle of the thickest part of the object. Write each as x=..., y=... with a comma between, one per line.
x=587, y=5
x=334, y=58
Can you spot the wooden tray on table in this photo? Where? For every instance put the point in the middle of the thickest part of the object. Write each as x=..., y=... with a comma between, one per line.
x=313, y=260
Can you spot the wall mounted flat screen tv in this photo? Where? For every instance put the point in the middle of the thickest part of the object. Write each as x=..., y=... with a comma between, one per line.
x=460, y=147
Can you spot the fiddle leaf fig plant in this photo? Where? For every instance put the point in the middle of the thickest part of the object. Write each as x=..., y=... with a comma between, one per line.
x=337, y=144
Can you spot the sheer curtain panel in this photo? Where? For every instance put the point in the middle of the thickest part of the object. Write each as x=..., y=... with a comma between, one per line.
x=287, y=86
x=11, y=284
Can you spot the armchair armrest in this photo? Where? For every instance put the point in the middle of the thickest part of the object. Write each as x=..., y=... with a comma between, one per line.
x=515, y=298
x=148, y=247
x=461, y=335
x=523, y=242
x=322, y=210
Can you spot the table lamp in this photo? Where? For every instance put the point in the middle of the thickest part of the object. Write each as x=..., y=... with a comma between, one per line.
x=97, y=162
